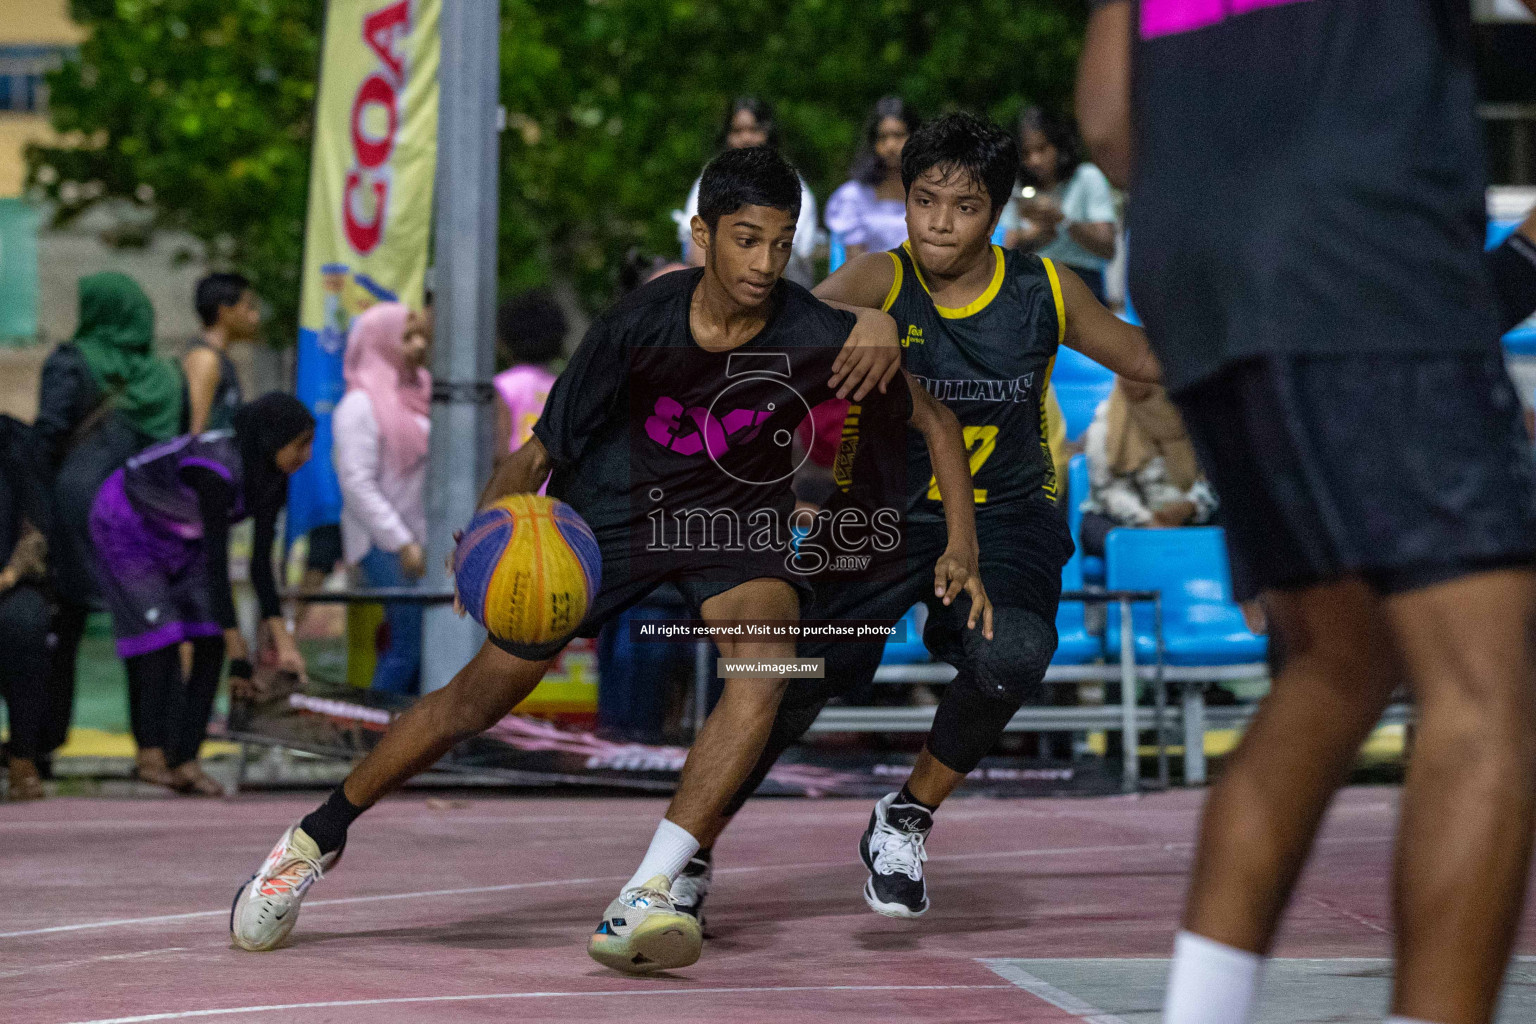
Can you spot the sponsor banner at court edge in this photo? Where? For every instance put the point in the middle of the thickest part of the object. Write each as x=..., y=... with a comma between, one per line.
x=370, y=205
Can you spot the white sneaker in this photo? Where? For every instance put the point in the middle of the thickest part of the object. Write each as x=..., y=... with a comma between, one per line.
x=642, y=932
x=267, y=907
x=692, y=888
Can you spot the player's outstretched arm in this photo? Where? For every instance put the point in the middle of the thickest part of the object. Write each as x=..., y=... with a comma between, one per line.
x=1104, y=90
x=522, y=472
x=872, y=354
x=959, y=568
x=1103, y=337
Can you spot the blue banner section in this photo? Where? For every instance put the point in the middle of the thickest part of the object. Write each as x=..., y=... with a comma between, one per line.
x=314, y=496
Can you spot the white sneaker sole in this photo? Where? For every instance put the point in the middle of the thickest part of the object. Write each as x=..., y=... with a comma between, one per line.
x=285, y=927
x=662, y=942
x=890, y=909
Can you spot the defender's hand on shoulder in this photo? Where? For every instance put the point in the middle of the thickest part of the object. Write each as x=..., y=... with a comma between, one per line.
x=869, y=358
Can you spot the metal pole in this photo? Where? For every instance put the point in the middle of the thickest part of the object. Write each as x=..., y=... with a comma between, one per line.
x=703, y=675
x=1194, y=734
x=1131, y=772
x=465, y=305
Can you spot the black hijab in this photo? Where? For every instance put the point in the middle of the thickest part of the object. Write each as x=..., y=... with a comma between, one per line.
x=262, y=428
x=21, y=492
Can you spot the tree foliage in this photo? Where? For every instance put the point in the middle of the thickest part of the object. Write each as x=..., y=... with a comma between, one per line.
x=201, y=111
x=613, y=106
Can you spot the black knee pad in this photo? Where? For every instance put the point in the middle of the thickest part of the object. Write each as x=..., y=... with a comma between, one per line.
x=996, y=677
x=1011, y=666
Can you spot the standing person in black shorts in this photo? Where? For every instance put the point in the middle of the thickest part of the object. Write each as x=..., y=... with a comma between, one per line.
x=1307, y=217
x=669, y=433
x=980, y=326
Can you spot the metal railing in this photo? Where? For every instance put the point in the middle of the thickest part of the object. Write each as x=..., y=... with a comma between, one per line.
x=1126, y=717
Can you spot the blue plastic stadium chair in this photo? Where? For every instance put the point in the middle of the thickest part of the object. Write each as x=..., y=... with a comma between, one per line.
x=1521, y=341
x=911, y=650
x=1080, y=385
x=998, y=234
x=1077, y=493
x=836, y=254
x=1074, y=644
x=1498, y=230
x=1201, y=624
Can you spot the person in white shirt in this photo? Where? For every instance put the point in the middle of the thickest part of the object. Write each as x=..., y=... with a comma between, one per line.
x=1141, y=467
x=381, y=428
x=1066, y=208
x=749, y=122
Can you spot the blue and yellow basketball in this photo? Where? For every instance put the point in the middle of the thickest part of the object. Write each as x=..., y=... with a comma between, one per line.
x=527, y=569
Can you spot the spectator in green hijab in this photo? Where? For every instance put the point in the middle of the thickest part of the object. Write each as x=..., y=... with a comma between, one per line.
x=104, y=396
x=116, y=336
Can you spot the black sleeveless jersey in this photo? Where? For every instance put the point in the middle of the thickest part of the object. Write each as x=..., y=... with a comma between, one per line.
x=989, y=362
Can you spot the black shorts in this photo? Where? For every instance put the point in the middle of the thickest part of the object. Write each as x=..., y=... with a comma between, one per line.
x=698, y=576
x=1405, y=471
x=1023, y=546
x=324, y=548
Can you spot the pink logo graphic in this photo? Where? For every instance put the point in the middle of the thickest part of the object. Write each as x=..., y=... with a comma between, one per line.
x=693, y=430
x=1173, y=17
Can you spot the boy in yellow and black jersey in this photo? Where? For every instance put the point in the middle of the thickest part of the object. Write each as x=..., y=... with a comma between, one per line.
x=980, y=329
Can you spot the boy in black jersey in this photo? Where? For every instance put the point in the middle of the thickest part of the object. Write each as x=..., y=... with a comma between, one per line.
x=1307, y=218
x=668, y=432
x=980, y=327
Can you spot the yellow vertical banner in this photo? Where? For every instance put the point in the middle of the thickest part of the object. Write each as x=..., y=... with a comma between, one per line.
x=370, y=204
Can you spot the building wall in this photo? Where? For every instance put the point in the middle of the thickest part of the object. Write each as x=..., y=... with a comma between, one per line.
x=34, y=36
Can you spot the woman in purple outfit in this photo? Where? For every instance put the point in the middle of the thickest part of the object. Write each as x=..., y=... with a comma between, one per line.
x=869, y=213
x=160, y=526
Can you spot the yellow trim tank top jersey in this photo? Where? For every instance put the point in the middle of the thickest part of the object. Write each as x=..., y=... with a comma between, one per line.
x=989, y=362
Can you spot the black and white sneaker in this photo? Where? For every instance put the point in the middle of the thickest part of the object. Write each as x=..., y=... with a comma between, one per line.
x=893, y=849
x=692, y=886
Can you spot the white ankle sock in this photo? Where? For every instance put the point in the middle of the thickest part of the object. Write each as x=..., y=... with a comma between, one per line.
x=1211, y=983
x=670, y=850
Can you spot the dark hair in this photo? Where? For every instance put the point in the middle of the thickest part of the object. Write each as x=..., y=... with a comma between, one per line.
x=970, y=145
x=217, y=291
x=532, y=326
x=867, y=166
x=761, y=111
x=262, y=428
x=1060, y=132
x=756, y=176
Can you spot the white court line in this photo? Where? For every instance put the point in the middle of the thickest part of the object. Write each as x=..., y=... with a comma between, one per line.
x=1009, y=968
x=626, y=993
x=162, y=918
x=451, y=816
x=104, y=825
x=1011, y=971
x=93, y=960
x=513, y=886
x=1349, y=915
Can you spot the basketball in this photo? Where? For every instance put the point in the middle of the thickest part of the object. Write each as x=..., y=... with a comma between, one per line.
x=527, y=568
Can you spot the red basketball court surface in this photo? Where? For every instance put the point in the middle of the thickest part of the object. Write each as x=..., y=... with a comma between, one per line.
x=451, y=909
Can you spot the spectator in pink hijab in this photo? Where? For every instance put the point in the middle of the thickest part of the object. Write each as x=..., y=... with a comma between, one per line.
x=381, y=429
x=530, y=334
